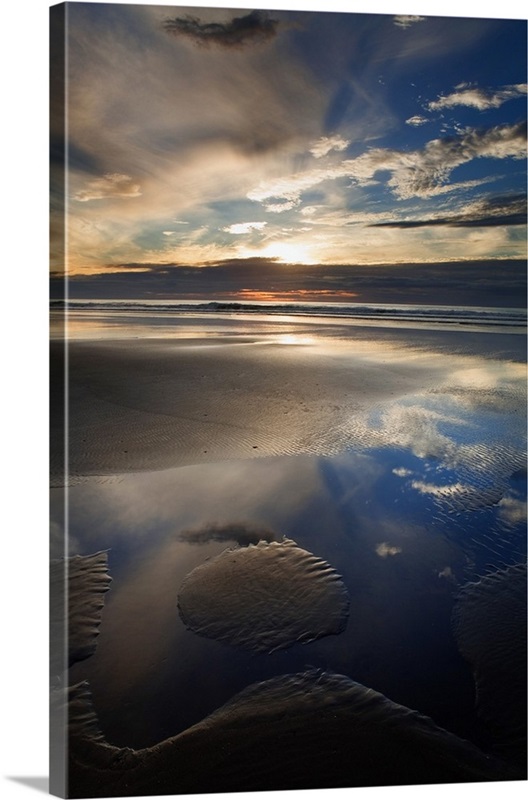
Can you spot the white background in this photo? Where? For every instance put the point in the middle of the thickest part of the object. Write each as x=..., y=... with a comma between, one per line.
x=24, y=396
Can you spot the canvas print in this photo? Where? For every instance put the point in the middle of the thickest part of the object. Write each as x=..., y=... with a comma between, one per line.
x=288, y=381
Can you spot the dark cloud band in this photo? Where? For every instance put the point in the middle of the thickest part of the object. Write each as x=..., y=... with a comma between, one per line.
x=482, y=283
x=486, y=214
x=240, y=31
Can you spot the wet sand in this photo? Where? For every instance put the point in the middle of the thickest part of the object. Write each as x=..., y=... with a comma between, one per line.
x=394, y=437
x=264, y=597
x=151, y=404
x=490, y=626
x=308, y=730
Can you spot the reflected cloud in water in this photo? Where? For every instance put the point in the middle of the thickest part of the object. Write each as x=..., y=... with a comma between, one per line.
x=384, y=549
x=459, y=496
x=242, y=534
x=512, y=510
x=401, y=472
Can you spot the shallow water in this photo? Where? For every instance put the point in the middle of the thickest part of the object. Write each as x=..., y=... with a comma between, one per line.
x=407, y=497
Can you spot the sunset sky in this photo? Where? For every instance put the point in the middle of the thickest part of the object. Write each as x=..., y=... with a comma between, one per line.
x=209, y=149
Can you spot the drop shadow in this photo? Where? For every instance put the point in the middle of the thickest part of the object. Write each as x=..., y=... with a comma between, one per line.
x=40, y=784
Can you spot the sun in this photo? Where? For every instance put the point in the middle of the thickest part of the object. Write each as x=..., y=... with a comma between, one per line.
x=285, y=252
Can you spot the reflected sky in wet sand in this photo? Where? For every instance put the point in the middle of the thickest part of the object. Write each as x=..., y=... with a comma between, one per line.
x=422, y=490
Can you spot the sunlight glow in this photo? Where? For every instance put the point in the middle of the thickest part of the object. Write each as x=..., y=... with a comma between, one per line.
x=295, y=339
x=285, y=252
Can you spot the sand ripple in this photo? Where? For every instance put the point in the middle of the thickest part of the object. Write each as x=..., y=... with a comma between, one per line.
x=308, y=730
x=87, y=580
x=490, y=626
x=264, y=597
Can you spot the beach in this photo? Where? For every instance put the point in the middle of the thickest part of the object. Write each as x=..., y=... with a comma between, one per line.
x=392, y=456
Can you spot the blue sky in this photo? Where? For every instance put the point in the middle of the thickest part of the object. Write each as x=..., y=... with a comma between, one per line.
x=205, y=136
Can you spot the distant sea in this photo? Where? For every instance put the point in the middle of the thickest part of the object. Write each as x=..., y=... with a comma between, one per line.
x=376, y=313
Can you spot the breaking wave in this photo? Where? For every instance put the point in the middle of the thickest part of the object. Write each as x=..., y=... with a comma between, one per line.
x=455, y=315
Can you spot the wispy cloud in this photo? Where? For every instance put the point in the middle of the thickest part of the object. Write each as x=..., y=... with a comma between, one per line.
x=421, y=172
x=327, y=143
x=481, y=213
x=255, y=27
x=418, y=173
x=290, y=189
x=416, y=121
x=481, y=99
x=112, y=185
x=240, y=228
x=278, y=208
x=406, y=20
